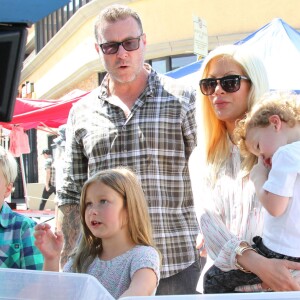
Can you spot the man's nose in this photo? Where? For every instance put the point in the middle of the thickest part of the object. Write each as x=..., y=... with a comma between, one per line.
x=122, y=52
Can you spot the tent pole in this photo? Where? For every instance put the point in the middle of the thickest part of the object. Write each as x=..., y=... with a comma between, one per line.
x=24, y=179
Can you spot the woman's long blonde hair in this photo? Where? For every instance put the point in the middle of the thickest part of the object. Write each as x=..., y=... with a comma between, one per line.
x=216, y=142
x=124, y=182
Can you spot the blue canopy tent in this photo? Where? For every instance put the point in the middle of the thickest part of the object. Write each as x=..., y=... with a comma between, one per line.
x=28, y=11
x=277, y=44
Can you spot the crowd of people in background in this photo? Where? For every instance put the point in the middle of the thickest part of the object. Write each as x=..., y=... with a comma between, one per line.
x=154, y=178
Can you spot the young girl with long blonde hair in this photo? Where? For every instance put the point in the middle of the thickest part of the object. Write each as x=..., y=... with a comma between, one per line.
x=116, y=244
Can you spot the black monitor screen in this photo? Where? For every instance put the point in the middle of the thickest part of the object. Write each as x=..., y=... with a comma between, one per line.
x=12, y=50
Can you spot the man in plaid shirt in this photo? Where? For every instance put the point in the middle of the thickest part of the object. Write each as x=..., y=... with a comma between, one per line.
x=17, y=249
x=146, y=121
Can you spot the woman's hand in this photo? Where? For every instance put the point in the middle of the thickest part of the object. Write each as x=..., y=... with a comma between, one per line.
x=274, y=273
x=277, y=277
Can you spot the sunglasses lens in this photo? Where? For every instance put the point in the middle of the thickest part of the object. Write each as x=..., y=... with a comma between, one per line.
x=128, y=45
x=208, y=86
x=110, y=48
x=230, y=84
x=132, y=44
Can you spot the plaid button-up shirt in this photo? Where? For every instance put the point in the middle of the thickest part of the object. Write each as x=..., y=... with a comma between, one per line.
x=17, y=249
x=155, y=140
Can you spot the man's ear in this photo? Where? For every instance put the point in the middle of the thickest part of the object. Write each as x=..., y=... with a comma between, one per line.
x=275, y=121
x=8, y=190
x=144, y=39
x=97, y=47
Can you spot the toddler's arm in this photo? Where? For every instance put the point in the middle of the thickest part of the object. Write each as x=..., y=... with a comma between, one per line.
x=274, y=204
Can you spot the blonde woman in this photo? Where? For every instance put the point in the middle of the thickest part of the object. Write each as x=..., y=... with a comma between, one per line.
x=116, y=245
x=230, y=214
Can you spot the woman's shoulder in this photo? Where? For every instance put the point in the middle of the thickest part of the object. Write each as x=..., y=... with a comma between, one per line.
x=197, y=164
x=198, y=155
x=195, y=156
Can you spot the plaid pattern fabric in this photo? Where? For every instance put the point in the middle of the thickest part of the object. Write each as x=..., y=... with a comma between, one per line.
x=155, y=140
x=17, y=249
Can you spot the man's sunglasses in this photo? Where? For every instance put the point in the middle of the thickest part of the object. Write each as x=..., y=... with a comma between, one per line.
x=128, y=45
x=229, y=84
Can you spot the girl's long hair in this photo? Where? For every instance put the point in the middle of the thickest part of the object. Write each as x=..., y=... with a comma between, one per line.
x=124, y=182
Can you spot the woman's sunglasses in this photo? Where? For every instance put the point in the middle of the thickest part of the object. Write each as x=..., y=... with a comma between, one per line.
x=229, y=84
x=128, y=45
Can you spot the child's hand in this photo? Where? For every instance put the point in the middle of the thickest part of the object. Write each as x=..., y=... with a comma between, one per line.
x=49, y=243
x=259, y=172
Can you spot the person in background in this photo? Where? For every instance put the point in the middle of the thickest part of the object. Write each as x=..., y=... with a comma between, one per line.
x=17, y=249
x=49, y=187
x=232, y=79
x=143, y=120
x=116, y=245
x=59, y=159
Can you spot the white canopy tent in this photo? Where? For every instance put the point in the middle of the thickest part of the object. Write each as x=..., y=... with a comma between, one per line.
x=277, y=44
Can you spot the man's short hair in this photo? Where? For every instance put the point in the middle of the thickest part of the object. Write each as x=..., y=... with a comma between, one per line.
x=114, y=13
